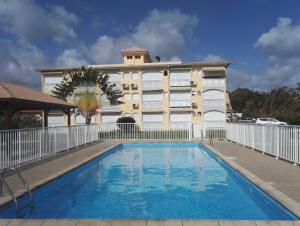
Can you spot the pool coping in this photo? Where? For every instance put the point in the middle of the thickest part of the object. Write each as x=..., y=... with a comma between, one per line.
x=280, y=197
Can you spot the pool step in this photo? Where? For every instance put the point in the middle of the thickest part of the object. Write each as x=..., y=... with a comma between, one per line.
x=3, y=181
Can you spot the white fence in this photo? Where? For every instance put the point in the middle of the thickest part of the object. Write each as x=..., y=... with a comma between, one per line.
x=188, y=131
x=25, y=145
x=279, y=141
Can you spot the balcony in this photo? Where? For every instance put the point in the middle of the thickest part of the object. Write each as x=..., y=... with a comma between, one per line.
x=180, y=125
x=180, y=104
x=48, y=88
x=180, y=84
x=152, y=105
x=106, y=107
x=214, y=84
x=213, y=105
x=152, y=125
x=117, y=85
x=152, y=85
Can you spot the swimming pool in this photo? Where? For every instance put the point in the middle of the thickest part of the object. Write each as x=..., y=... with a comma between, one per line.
x=154, y=181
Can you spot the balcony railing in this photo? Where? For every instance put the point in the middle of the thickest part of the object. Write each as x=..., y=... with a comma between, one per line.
x=152, y=85
x=213, y=105
x=152, y=104
x=152, y=125
x=180, y=104
x=180, y=83
x=180, y=125
x=108, y=107
x=117, y=85
x=49, y=87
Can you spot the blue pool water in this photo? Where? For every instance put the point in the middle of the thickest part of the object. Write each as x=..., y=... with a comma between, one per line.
x=156, y=181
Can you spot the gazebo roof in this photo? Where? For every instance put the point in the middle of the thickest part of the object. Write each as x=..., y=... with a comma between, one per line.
x=27, y=98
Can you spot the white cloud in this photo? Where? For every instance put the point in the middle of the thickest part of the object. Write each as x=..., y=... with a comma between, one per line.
x=104, y=50
x=163, y=33
x=30, y=21
x=213, y=58
x=281, y=45
x=281, y=41
x=19, y=60
x=70, y=58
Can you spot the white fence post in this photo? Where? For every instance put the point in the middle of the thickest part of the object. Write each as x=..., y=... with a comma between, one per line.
x=19, y=145
x=277, y=142
x=263, y=140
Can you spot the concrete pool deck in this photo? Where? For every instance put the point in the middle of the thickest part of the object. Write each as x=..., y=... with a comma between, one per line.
x=273, y=174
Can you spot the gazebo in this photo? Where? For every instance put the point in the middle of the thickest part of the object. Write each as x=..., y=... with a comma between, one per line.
x=14, y=98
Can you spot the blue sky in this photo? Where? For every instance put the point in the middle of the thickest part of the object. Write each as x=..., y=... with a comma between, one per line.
x=260, y=37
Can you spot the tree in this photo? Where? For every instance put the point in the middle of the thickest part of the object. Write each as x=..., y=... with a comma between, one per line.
x=127, y=124
x=282, y=103
x=88, y=104
x=22, y=120
x=126, y=120
x=88, y=77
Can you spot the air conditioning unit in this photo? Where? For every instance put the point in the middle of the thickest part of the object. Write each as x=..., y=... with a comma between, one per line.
x=135, y=106
x=125, y=86
x=134, y=86
x=193, y=83
x=194, y=105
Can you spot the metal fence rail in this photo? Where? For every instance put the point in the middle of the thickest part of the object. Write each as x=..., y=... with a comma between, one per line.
x=25, y=145
x=279, y=141
x=188, y=131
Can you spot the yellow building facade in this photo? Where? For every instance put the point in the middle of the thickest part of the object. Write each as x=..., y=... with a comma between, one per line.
x=156, y=94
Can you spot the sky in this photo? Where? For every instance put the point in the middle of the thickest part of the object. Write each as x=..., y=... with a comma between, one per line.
x=261, y=38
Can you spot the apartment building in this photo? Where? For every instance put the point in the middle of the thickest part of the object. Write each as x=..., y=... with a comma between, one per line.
x=156, y=94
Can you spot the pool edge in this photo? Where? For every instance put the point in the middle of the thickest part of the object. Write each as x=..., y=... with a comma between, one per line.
x=280, y=197
x=283, y=199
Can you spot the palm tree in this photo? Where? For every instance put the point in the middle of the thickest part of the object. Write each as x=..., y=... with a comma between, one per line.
x=88, y=102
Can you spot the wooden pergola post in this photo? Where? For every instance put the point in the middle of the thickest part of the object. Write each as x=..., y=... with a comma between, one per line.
x=45, y=111
x=68, y=113
x=69, y=117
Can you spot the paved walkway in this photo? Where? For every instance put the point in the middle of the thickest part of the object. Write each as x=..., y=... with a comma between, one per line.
x=282, y=175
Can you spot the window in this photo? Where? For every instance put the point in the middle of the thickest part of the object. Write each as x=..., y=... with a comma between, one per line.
x=135, y=76
x=127, y=76
x=165, y=73
x=194, y=114
x=129, y=57
x=137, y=57
x=199, y=114
x=199, y=93
x=194, y=93
x=127, y=96
x=135, y=96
